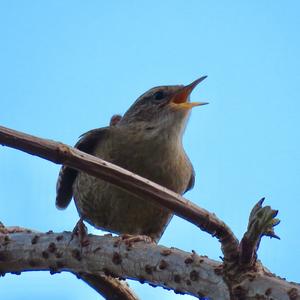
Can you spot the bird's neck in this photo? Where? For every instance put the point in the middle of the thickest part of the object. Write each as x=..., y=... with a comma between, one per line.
x=155, y=137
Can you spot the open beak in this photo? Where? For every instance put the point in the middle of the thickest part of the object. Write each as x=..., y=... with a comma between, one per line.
x=181, y=98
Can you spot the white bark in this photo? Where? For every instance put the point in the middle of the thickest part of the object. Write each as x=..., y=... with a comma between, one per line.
x=147, y=262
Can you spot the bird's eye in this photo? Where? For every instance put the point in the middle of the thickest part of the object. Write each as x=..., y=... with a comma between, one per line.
x=159, y=95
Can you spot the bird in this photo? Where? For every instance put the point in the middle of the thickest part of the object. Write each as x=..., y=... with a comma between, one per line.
x=146, y=140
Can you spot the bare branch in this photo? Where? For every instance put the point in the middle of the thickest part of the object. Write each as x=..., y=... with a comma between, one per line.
x=170, y=268
x=264, y=285
x=109, y=287
x=147, y=262
x=63, y=154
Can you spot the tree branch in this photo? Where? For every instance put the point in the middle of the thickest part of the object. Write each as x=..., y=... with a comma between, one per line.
x=109, y=287
x=105, y=255
x=62, y=154
x=170, y=268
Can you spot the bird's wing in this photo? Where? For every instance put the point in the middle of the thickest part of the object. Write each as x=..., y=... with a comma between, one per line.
x=67, y=176
x=191, y=181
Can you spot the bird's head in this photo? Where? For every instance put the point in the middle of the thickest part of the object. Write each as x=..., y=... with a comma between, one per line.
x=162, y=109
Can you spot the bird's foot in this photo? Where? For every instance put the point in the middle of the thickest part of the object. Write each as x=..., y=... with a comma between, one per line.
x=130, y=239
x=80, y=230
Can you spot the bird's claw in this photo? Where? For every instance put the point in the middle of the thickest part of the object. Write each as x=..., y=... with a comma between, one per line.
x=80, y=230
x=131, y=239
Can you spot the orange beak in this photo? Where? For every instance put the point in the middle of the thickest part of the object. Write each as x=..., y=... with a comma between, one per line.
x=180, y=99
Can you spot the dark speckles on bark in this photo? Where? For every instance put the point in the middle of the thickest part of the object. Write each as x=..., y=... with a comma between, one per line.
x=34, y=239
x=76, y=254
x=188, y=260
x=177, y=278
x=149, y=269
x=188, y=282
x=163, y=264
x=45, y=254
x=59, y=238
x=116, y=259
x=52, y=247
x=268, y=292
x=194, y=275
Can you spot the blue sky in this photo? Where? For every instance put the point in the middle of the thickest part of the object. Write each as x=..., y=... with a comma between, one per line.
x=67, y=66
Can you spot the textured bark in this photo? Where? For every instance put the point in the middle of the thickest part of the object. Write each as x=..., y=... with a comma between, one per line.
x=109, y=287
x=170, y=268
x=147, y=262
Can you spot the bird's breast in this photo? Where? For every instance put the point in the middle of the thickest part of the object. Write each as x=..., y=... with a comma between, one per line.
x=159, y=158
